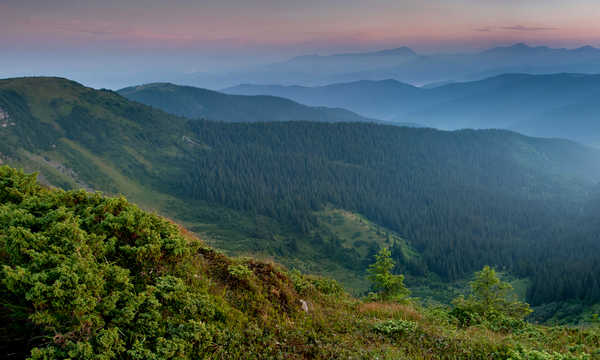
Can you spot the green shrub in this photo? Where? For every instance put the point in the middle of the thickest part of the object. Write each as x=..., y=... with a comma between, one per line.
x=490, y=302
x=97, y=278
x=308, y=284
x=240, y=272
x=396, y=327
x=542, y=355
x=327, y=286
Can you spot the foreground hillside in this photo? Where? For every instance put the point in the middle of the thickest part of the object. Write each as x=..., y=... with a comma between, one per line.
x=90, y=277
x=325, y=197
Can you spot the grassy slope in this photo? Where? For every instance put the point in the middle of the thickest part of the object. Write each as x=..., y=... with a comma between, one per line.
x=250, y=309
x=95, y=139
x=356, y=232
x=197, y=103
x=230, y=230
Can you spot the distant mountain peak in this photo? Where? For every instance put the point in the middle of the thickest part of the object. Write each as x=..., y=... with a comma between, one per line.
x=517, y=48
x=520, y=46
x=399, y=51
x=383, y=81
x=586, y=48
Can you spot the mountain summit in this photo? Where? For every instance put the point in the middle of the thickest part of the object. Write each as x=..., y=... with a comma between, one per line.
x=401, y=51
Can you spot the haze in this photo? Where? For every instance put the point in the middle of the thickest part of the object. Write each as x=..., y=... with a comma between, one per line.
x=117, y=43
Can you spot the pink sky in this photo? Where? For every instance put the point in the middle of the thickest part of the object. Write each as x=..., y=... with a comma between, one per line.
x=38, y=36
x=306, y=26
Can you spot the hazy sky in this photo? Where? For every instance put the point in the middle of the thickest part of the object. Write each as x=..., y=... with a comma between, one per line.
x=74, y=36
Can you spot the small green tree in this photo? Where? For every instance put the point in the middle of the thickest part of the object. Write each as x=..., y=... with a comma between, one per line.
x=491, y=296
x=388, y=285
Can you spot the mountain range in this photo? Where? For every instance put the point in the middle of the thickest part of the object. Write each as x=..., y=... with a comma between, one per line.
x=554, y=105
x=405, y=65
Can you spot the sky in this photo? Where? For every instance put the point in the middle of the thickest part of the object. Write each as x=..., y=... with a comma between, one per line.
x=101, y=39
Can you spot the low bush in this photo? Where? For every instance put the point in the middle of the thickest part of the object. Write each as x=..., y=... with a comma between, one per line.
x=396, y=327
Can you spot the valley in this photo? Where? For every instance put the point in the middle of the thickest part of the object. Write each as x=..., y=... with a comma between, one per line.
x=287, y=180
x=324, y=197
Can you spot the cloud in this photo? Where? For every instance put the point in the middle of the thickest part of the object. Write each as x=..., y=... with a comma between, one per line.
x=488, y=29
x=527, y=28
x=93, y=28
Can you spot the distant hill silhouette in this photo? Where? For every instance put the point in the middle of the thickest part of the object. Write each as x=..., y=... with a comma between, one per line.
x=405, y=65
x=555, y=105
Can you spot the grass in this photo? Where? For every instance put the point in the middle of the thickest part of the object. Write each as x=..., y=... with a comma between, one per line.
x=356, y=232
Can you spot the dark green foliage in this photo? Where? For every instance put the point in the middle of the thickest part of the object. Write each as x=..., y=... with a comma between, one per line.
x=97, y=278
x=460, y=208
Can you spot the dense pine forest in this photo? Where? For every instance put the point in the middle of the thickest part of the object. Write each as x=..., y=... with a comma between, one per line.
x=445, y=203
x=459, y=208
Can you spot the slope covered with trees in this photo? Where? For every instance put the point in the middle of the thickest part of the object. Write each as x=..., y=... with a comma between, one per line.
x=445, y=203
x=459, y=209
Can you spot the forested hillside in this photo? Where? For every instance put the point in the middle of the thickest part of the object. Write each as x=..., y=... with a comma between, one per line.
x=459, y=208
x=446, y=203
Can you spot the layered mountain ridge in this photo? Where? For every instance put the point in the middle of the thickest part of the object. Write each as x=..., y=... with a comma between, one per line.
x=554, y=105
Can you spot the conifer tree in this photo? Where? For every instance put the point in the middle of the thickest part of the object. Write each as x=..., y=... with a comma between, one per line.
x=388, y=286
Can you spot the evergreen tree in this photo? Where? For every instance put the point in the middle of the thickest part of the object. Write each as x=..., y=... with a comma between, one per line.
x=388, y=286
